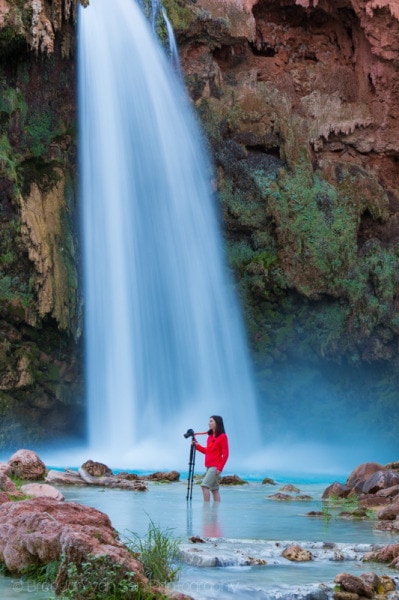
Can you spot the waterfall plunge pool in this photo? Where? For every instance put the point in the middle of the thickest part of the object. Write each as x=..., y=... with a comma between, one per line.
x=246, y=522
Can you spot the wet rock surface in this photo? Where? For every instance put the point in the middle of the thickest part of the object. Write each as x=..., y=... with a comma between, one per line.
x=368, y=585
x=376, y=487
x=296, y=554
x=229, y=552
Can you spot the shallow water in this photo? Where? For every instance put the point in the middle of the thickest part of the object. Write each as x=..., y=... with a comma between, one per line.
x=245, y=513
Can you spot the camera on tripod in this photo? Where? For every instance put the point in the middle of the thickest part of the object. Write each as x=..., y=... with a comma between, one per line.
x=189, y=433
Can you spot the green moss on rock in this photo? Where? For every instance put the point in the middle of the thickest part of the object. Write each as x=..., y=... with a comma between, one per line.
x=179, y=13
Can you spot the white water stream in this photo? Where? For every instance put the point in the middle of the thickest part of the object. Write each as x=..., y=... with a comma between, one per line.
x=165, y=343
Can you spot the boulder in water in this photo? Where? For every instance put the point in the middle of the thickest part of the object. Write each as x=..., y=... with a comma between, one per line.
x=354, y=585
x=296, y=554
x=361, y=473
x=232, y=480
x=96, y=469
x=380, y=480
x=164, y=476
x=336, y=489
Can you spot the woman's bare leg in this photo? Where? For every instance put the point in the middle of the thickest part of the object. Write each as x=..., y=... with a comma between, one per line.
x=216, y=495
x=206, y=494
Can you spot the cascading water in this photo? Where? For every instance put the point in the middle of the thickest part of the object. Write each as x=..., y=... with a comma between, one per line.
x=165, y=346
x=173, y=50
x=159, y=19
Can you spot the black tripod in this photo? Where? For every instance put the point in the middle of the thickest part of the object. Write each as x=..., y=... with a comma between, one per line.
x=191, y=466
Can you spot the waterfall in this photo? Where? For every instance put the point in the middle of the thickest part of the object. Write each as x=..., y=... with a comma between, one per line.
x=165, y=346
x=173, y=50
x=158, y=18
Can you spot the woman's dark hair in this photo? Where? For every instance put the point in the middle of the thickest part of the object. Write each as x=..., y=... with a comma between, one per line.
x=219, y=425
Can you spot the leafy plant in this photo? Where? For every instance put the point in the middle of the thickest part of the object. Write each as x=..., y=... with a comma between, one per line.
x=8, y=160
x=157, y=551
x=326, y=512
x=4, y=572
x=42, y=573
x=350, y=503
x=40, y=131
x=349, y=507
x=99, y=578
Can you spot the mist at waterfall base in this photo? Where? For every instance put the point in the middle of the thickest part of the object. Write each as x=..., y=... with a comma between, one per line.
x=317, y=424
x=336, y=415
x=165, y=346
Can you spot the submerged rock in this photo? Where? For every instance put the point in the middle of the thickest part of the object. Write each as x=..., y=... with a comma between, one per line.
x=268, y=481
x=281, y=497
x=289, y=488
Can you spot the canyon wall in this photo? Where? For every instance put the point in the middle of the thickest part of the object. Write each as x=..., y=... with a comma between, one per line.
x=299, y=101
x=41, y=384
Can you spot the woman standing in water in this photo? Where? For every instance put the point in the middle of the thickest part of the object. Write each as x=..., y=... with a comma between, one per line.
x=216, y=455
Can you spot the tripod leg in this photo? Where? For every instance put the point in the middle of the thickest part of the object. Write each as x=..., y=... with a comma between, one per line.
x=188, y=481
x=191, y=473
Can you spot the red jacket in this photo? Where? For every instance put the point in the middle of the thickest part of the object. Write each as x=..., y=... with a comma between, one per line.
x=216, y=451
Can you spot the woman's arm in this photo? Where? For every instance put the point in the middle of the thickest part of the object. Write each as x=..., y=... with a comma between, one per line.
x=224, y=443
x=199, y=447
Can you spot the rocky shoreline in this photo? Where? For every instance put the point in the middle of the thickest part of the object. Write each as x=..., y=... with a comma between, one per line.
x=37, y=526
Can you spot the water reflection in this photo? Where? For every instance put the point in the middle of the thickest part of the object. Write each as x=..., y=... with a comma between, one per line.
x=210, y=520
x=211, y=526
